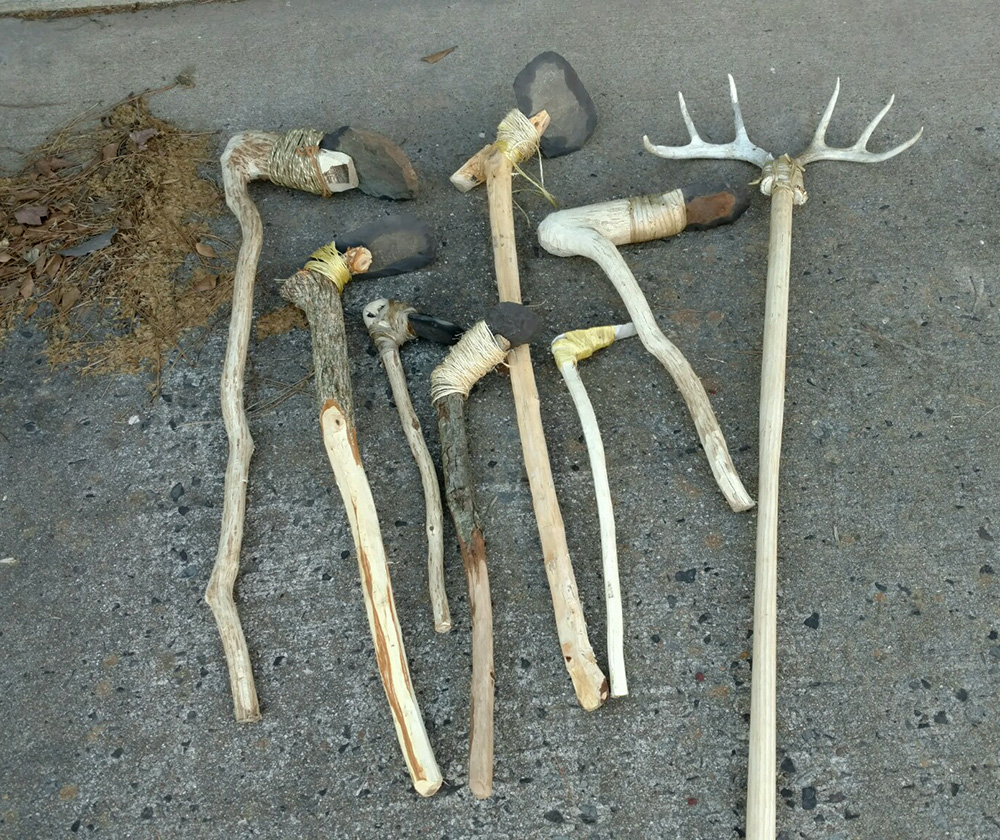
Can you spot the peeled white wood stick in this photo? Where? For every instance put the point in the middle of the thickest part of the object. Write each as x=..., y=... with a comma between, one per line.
x=594, y=231
x=782, y=180
x=250, y=156
x=517, y=140
x=316, y=290
x=568, y=349
x=388, y=325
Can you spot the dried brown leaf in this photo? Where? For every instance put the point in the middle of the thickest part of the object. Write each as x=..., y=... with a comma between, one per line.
x=31, y=214
x=6, y=258
x=30, y=309
x=48, y=165
x=434, y=58
x=205, y=283
x=27, y=195
x=53, y=265
x=68, y=298
x=27, y=288
x=205, y=250
x=110, y=151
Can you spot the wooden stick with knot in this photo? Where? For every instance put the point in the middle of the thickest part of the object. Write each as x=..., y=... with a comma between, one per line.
x=316, y=290
x=389, y=327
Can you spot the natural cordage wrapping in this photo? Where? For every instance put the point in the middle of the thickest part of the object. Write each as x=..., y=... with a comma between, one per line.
x=294, y=162
x=475, y=355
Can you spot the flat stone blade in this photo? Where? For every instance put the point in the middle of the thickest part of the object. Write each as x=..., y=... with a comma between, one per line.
x=399, y=244
x=434, y=329
x=548, y=81
x=515, y=322
x=383, y=168
x=713, y=203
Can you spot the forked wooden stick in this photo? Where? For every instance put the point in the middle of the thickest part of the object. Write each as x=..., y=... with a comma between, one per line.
x=250, y=156
x=388, y=326
x=518, y=140
x=316, y=290
x=594, y=231
x=782, y=180
x=568, y=349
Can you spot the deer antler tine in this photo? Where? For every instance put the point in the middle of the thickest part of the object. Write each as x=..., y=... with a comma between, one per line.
x=741, y=129
x=858, y=153
x=695, y=137
x=862, y=143
x=819, y=138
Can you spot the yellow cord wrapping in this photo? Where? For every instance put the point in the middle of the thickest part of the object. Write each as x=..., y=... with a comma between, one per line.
x=329, y=262
x=293, y=162
x=580, y=344
x=517, y=140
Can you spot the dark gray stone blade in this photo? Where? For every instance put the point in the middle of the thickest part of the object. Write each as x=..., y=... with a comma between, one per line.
x=516, y=323
x=434, y=329
x=399, y=244
x=549, y=82
x=383, y=168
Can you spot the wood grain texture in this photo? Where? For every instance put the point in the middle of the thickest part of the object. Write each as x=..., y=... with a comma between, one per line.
x=589, y=681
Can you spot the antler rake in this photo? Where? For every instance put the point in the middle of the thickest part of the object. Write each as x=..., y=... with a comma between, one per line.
x=782, y=180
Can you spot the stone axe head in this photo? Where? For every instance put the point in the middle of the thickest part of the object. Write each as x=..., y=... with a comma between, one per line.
x=562, y=114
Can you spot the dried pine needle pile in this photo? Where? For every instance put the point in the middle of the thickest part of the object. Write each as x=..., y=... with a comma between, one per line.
x=104, y=240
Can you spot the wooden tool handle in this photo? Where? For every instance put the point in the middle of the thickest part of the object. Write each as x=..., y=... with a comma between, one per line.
x=461, y=498
x=761, y=772
x=589, y=682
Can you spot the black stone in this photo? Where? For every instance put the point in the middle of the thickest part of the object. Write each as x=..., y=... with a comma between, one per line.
x=399, y=244
x=549, y=83
x=554, y=816
x=383, y=168
x=808, y=798
x=713, y=203
x=517, y=323
x=812, y=621
x=688, y=576
x=176, y=491
x=787, y=765
x=434, y=329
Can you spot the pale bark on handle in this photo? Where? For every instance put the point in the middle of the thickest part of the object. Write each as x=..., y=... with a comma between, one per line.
x=429, y=481
x=567, y=240
x=589, y=682
x=761, y=772
x=239, y=167
x=320, y=300
x=460, y=492
x=245, y=159
x=606, y=517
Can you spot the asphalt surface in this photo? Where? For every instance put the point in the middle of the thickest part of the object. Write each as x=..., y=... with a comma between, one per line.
x=115, y=712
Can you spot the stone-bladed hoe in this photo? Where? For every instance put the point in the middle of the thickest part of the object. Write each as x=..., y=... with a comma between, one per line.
x=484, y=346
x=392, y=323
x=316, y=289
x=517, y=141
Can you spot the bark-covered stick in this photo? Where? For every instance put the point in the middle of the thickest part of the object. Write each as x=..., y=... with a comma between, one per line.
x=568, y=349
x=388, y=325
x=594, y=231
x=316, y=290
x=480, y=350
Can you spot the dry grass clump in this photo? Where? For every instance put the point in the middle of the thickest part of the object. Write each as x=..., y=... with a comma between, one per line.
x=104, y=239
